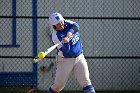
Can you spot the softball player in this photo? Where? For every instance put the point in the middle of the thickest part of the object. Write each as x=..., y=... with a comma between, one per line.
x=70, y=56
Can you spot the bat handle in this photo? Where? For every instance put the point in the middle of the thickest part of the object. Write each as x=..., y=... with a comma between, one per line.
x=36, y=59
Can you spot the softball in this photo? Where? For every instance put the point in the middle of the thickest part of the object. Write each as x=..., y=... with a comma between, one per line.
x=41, y=55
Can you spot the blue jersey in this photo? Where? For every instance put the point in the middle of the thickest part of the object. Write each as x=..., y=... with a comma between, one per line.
x=74, y=46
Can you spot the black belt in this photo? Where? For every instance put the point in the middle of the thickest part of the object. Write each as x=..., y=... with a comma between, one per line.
x=72, y=56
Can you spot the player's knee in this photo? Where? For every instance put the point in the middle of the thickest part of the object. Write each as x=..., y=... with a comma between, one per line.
x=85, y=83
x=52, y=91
x=89, y=89
x=57, y=88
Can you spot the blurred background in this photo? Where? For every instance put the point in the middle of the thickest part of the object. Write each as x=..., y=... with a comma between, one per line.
x=110, y=33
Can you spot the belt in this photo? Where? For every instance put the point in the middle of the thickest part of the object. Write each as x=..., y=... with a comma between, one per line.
x=72, y=56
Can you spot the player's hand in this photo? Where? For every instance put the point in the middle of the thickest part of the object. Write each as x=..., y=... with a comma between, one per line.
x=69, y=35
x=66, y=39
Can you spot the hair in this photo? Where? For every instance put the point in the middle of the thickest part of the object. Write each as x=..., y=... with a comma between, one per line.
x=54, y=27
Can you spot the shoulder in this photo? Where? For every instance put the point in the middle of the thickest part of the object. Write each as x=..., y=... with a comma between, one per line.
x=54, y=37
x=69, y=21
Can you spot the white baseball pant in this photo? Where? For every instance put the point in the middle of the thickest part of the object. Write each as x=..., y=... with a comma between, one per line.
x=65, y=66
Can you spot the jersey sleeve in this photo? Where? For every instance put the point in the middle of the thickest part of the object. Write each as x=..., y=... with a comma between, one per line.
x=75, y=28
x=56, y=38
x=65, y=47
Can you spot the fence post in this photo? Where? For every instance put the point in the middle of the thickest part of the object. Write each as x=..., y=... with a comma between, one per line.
x=34, y=2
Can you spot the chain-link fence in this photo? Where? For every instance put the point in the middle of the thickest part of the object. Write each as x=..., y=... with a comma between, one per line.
x=110, y=32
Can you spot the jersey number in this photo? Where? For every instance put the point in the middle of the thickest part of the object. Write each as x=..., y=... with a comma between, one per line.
x=75, y=39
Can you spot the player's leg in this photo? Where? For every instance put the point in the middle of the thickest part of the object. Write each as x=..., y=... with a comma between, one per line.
x=64, y=68
x=81, y=72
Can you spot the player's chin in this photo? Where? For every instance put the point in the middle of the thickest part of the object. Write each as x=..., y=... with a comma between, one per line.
x=61, y=28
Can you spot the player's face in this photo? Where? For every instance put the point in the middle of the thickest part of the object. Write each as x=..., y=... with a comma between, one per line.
x=60, y=26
